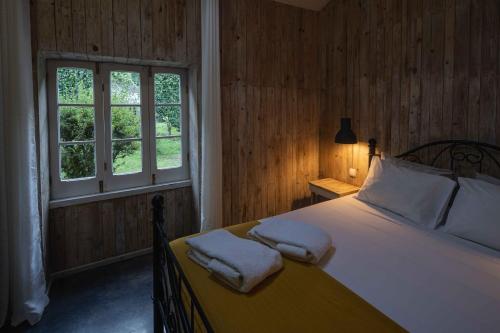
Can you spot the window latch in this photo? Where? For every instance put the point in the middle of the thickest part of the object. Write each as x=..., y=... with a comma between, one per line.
x=153, y=179
x=101, y=186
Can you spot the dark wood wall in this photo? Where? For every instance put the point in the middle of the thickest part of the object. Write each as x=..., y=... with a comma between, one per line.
x=125, y=31
x=407, y=72
x=270, y=107
x=87, y=233
x=166, y=30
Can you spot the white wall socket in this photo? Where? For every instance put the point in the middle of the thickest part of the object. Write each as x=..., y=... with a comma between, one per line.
x=353, y=172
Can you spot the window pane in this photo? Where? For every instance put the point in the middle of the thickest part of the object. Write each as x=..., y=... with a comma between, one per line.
x=125, y=88
x=168, y=153
x=75, y=86
x=76, y=123
x=127, y=157
x=126, y=122
x=168, y=120
x=167, y=88
x=77, y=161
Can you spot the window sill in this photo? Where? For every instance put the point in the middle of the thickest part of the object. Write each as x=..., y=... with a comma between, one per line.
x=116, y=194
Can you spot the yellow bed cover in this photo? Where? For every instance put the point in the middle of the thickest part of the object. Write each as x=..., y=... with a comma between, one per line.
x=300, y=298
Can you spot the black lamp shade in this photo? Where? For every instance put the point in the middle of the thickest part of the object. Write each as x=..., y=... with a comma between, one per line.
x=346, y=135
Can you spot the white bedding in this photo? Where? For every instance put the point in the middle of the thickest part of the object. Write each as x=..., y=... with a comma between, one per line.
x=425, y=280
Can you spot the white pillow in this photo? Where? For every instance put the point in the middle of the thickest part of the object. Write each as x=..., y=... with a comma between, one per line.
x=418, y=196
x=419, y=167
x=475, y=213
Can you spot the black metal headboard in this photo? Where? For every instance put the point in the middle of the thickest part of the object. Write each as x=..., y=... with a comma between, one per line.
x=453, y=155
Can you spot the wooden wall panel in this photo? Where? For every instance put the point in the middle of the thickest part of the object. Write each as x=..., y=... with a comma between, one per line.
x=106, y=27
x=166, y=30
x=62, y=24
x=270, y=107
x=78, y=18
x=87, y=233
x=407, y=72
x=45, y=11
x=93, y=27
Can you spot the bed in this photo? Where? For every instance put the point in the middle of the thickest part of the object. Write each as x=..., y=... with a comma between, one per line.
x=384, y=273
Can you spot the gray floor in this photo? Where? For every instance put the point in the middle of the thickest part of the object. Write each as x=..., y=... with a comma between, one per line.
x=115, y=298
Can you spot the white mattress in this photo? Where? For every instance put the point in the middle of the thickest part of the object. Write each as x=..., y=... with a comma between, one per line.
x=426, y=281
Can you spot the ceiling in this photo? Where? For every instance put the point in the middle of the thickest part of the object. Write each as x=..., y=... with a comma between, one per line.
x=307, y=4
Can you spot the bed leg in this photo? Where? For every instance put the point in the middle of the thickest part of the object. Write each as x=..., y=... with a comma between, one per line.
x=157, y=270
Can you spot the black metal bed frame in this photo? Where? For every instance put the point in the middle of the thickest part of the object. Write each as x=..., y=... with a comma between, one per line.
x=170, y=312
x=173, y=313
x=450, y=154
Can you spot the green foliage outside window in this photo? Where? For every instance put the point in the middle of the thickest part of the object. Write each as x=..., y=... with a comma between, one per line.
x=77, y=160
x=76, y=123
x=75, y=86
x=167, y=91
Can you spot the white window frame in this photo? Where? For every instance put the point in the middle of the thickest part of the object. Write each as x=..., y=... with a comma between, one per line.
x=84, y=186
x=123, y=181
x=104, y=180
x=182, y=172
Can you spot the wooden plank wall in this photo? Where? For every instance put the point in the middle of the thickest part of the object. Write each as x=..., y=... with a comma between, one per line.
x=87, y=233
x=270, y=107
x=407, y=72
x=121, y=30
x=166, y=30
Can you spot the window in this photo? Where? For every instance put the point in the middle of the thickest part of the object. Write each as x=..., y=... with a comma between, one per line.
x=115, y=127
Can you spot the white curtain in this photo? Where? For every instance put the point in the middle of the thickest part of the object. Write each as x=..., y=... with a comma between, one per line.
x=22, y=279
x=211, y=142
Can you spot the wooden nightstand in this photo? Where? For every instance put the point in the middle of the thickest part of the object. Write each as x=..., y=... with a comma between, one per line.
x=330, y=189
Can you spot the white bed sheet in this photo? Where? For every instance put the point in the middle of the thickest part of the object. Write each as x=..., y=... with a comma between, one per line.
x=426, y=281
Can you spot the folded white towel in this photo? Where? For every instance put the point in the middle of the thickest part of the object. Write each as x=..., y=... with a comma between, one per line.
x=241, y=263
x=297, y=240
